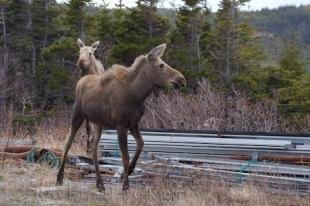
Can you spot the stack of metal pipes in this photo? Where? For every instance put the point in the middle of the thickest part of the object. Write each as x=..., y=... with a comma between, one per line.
x=273, y=158
x=293, y=149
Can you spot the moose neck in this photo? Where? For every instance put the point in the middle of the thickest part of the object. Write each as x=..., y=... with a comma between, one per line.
x=94, y=67
x=141, y=86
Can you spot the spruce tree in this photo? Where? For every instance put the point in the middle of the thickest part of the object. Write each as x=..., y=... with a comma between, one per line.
x=236, y=49
x=141, y=29
x=190, y=41
x=44, y=14
x=20, y=47
x=57, y=70
x=294, y=100
x=4, y=62
x=287, y=83
x=293, y=82
x=44, y=28
x=102, y=29
x=76, y=17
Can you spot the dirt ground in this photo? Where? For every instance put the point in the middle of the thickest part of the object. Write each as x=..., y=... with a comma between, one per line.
x=33, y=184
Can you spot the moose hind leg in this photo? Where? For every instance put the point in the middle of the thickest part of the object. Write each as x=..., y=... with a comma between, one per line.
x=122, y=141
x=76, y=121
x=139, y=147
x=98, y=132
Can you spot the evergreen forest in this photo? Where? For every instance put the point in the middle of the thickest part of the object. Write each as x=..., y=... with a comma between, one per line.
x=262, y=55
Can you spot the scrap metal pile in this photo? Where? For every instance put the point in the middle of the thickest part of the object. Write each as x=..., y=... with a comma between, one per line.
x=281, y=161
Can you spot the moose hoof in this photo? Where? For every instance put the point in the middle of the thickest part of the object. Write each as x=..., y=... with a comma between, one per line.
x=125, y=187
x=59, y=181
x=131, y=171
x=100, y=187
x=60, y=178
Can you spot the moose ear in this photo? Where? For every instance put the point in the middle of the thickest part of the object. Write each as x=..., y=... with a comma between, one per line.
x=95, y=45
x=80, y=43
x=157, y=52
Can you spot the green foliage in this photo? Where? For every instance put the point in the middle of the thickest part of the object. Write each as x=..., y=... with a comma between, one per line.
x=18, y=17
x=260, y=83
x=75, y=17
x=104, y=25
x=222, y=47
x=140, y=30
x=190, y=43
x=19, y=50
x=44, y=29
x=236, y=48
x=54, y=76
x=295, y=99
x=65, y=48
x=290, y=63
x=288, y=83
x=19, y=33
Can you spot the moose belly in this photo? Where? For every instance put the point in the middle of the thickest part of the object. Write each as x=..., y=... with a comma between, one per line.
x=105, y=117
x=99, y=117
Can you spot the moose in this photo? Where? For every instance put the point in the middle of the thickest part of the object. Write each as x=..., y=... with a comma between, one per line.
x=116, y=100
x=88, y=64
x=87, y=60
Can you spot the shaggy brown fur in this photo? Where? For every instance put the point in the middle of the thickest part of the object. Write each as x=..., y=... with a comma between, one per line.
x=116, y=99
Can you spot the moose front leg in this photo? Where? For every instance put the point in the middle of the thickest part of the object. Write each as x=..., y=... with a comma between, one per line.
x=135, y=131
x=98, y=132
x=122, y=141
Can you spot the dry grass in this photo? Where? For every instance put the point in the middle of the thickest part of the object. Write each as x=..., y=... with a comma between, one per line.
x=52, y=132
x=19, y=181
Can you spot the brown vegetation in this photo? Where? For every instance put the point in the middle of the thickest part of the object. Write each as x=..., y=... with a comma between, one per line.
x=208, y=109
x=211, y=109
x=23, y=184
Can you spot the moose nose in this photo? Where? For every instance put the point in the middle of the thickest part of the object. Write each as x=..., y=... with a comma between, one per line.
x=181, y=80
x=80, y=62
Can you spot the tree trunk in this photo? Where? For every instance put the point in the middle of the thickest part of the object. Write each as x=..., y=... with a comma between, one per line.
x=46, y=25
x=33, y=52
x=34, y=58
x=4, y=68
x=150, y=18
x=227, y=57
x=83, y=31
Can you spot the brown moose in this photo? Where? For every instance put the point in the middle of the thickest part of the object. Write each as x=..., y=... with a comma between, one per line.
x=116, y=99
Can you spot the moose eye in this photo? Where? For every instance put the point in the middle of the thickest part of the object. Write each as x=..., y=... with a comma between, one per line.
x=161, y=66
x=90, y=53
